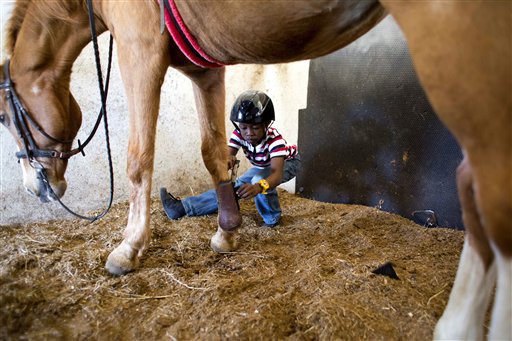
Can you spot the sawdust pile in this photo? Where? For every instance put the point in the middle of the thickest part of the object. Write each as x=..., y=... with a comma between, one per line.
x=310, y=278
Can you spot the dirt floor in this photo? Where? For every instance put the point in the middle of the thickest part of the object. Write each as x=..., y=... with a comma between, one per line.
x=309, y=279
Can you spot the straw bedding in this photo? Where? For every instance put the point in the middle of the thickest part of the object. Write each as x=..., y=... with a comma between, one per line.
x=309, y=279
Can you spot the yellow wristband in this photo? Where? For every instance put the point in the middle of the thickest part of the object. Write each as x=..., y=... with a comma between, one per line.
x=264, y=185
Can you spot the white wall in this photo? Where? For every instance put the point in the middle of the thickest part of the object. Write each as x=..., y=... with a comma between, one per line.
x=178, y=163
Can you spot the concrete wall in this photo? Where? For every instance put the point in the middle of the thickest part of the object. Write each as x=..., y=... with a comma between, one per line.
x=178, y=163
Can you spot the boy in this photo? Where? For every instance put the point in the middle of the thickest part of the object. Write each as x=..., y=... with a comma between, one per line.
x=273, y=161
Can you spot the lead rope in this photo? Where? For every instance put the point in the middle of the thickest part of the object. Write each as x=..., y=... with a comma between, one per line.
x=103, y=93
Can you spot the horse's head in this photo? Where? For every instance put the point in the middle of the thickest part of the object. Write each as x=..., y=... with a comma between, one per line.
x=44, y=118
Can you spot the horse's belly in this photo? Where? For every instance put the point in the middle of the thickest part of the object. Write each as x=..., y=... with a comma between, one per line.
x=277, y=31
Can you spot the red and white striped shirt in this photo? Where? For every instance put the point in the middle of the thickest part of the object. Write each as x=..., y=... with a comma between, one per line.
x=272, y=145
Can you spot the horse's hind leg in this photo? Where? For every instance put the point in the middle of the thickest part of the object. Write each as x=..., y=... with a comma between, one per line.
x=464, y=315
x=463, y=57
x=501, y=323
x=209, y=91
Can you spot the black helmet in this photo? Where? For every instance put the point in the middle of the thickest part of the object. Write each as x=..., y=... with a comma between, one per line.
x=252, y=107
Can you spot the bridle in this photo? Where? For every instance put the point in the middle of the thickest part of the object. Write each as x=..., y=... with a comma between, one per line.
x=22, y=119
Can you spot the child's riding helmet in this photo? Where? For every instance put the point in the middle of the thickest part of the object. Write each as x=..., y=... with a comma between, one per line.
x=252, y=107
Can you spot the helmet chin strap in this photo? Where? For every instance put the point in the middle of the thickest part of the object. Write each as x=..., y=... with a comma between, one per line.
x=236, y=126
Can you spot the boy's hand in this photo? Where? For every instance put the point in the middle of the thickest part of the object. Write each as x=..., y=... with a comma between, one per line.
x=248, y=191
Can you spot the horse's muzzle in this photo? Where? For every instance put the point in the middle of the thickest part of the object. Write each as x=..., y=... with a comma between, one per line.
x=44, y=190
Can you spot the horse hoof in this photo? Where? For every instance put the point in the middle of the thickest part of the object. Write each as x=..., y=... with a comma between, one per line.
x=223, y=241
x=118, y=263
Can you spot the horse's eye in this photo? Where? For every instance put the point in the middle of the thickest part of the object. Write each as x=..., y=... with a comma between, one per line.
x=3, y=118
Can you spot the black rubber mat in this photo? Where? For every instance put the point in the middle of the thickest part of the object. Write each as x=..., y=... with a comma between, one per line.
x=369, y=135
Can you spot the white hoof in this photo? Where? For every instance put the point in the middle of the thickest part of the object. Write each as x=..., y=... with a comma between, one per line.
x=122, y=260
x=223, y=241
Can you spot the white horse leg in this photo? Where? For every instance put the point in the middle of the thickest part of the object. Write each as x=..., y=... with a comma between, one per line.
x=501, y=323
x=209, y=94
x=125, y=257
x=464, y=315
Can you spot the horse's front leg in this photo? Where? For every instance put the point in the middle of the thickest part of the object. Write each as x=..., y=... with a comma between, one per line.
x=209, y=91
x=143, y=74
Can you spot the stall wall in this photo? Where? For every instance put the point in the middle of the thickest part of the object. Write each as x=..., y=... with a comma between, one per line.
x=369, y=135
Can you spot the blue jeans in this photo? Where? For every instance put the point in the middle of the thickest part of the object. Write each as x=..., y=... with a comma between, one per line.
x=267, y=204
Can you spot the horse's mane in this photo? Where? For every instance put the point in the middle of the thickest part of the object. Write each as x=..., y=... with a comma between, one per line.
x=56, y=9
x=14, y=24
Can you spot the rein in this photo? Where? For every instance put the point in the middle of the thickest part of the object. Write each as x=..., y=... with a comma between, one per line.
x=32, y=151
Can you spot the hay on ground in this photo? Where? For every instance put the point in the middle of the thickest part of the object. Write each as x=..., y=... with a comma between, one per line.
x=310, y=278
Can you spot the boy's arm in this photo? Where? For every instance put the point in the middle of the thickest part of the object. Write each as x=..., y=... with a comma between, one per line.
x=248, y=191
x=276, y=172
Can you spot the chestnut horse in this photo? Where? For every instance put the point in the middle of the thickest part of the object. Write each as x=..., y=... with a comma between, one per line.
x=461, y=51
